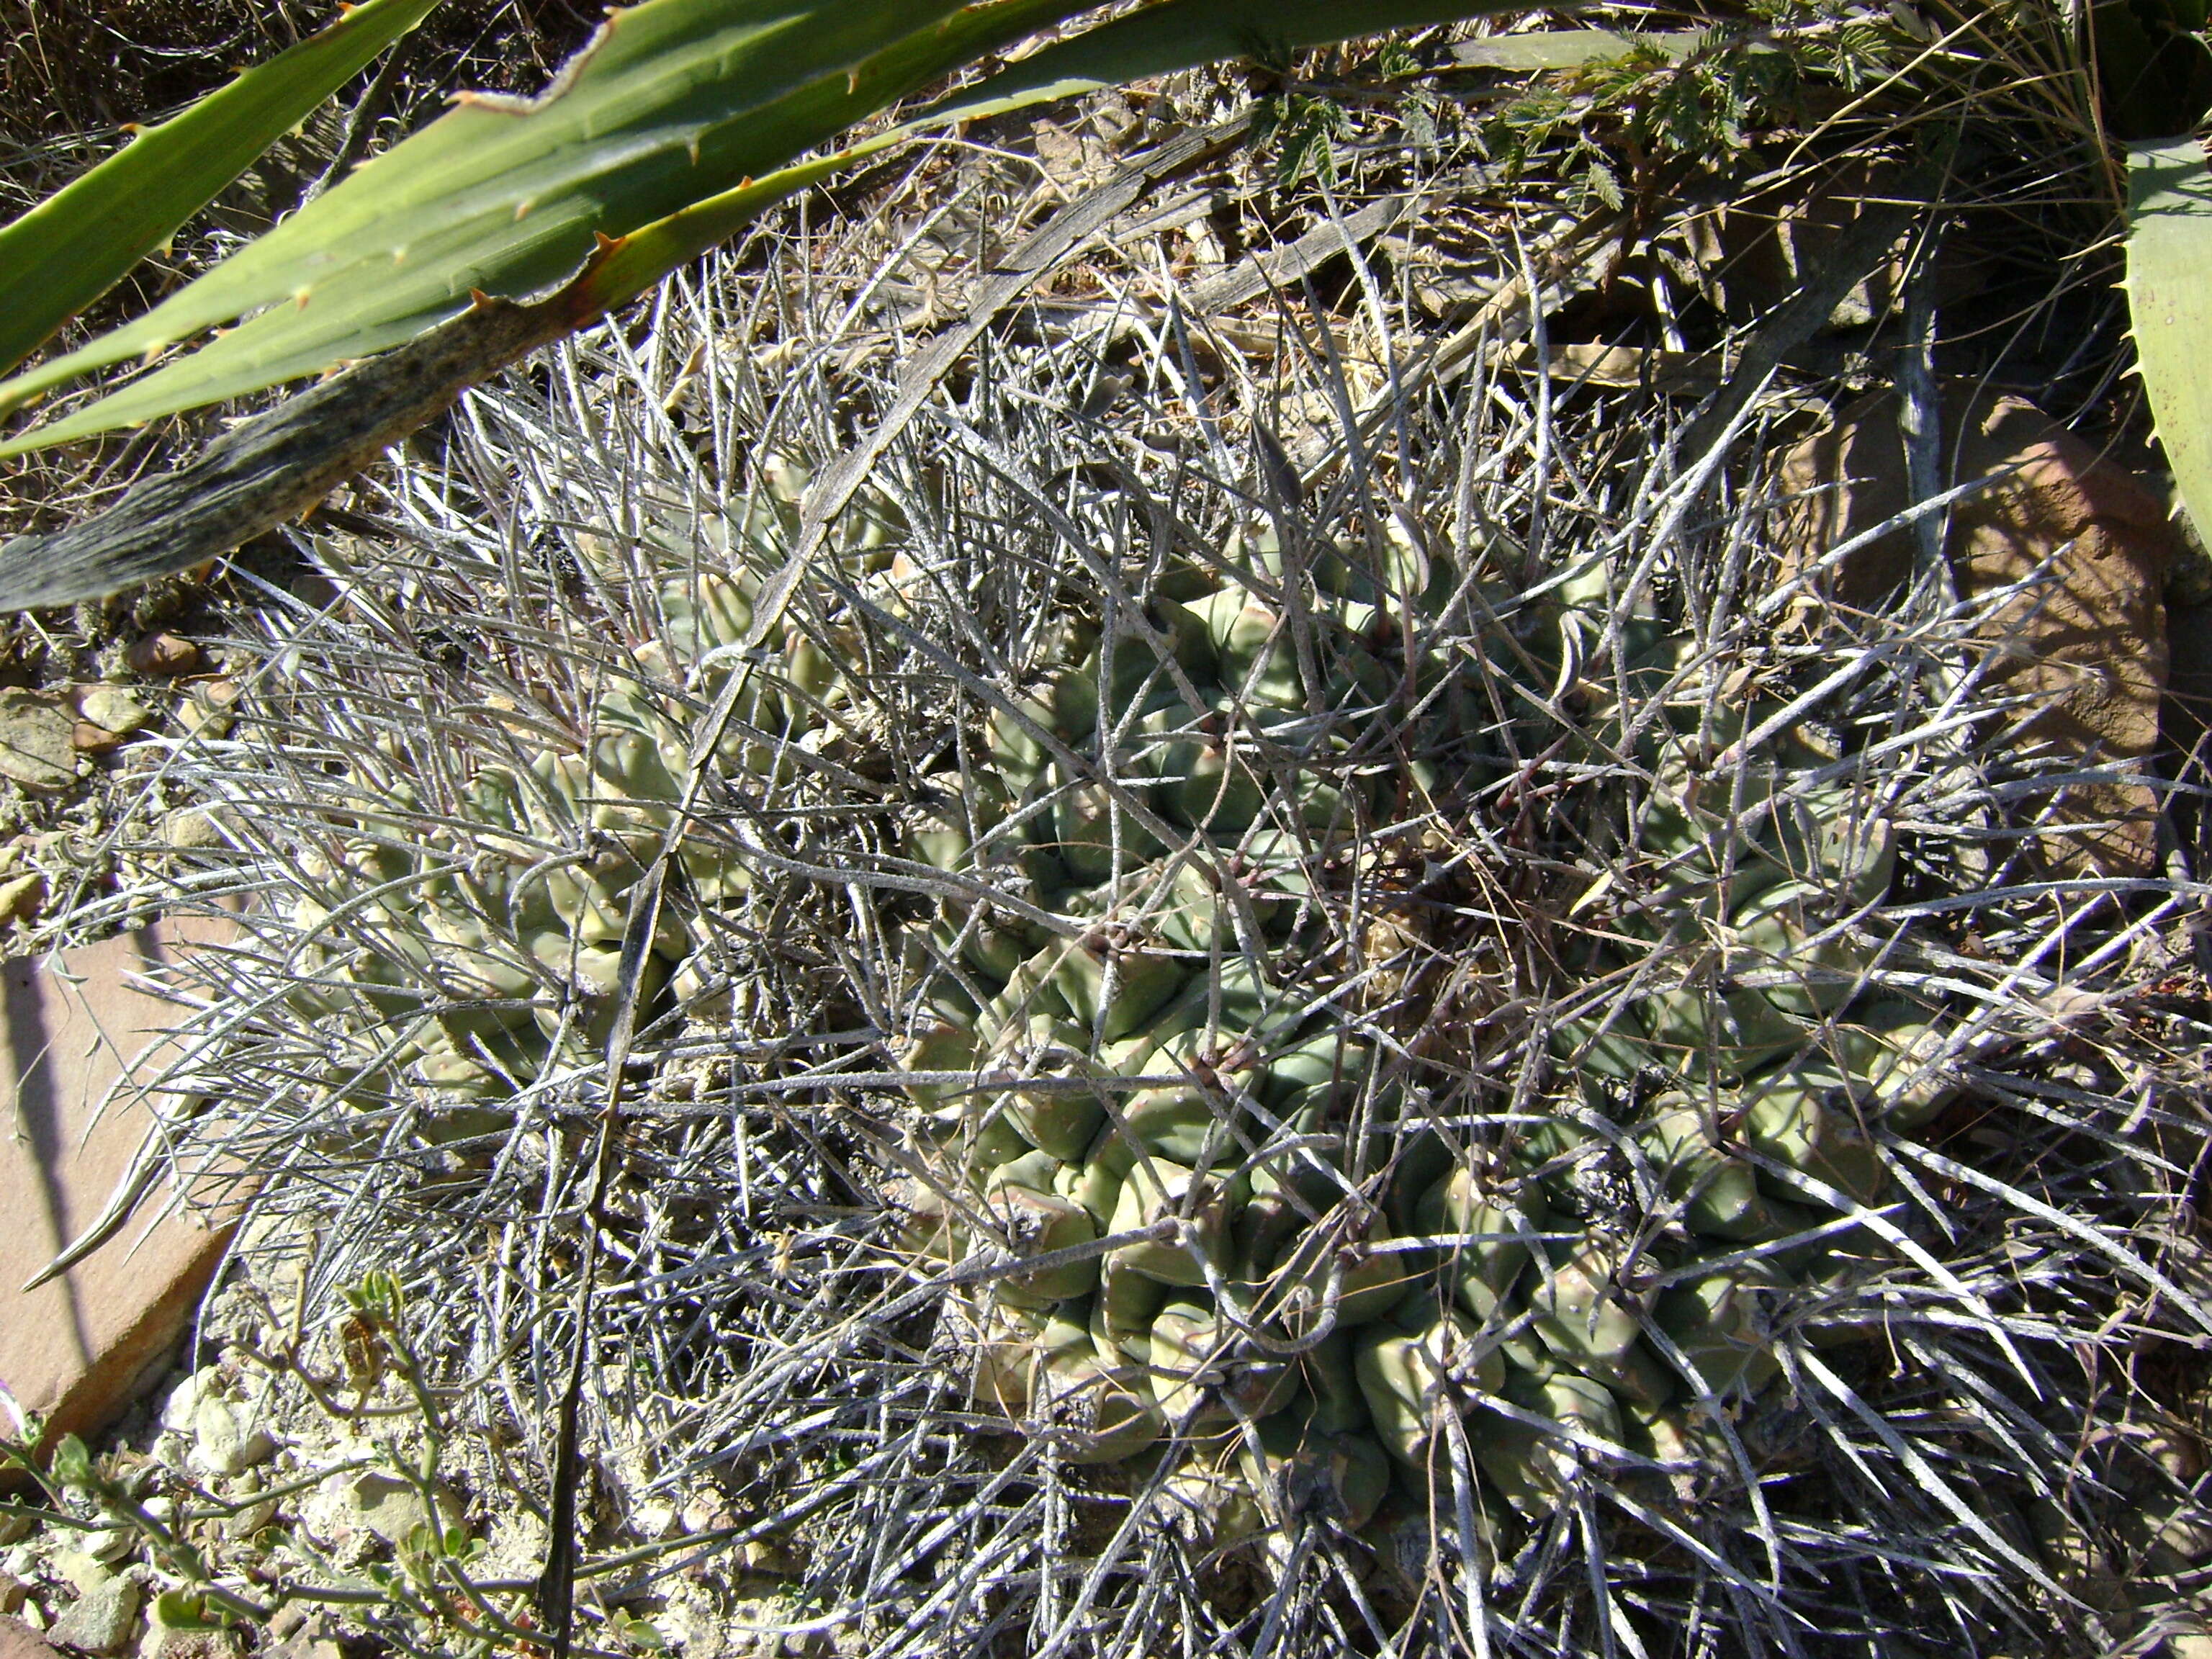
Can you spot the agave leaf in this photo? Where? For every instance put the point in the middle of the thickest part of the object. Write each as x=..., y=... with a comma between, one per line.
x=660, y=138
x=1181, y=34
x=673, y=101
x=2169, y=284
x=74, y=246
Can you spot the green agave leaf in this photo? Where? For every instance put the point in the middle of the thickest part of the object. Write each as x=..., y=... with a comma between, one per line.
x=72, y=247
x=284, y=343
x=673, y=130
x=2169, y=284
x=674, y=100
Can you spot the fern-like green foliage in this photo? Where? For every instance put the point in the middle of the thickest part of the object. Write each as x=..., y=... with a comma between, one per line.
x=1305, y=125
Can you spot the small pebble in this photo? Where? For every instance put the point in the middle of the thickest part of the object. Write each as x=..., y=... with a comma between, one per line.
x=704, y=1515
x=163, y=655
x=249, y=1520
x=160, y=1642
x=173, y=1451
x=765, y=1555
x=35, y=747
x=189, y=829
x=102, y=1617
x=289, y=1617
x=654, y=1521
x=392, y=1507
x=225, y=1438
x=184, y=1399
x=14, y=1592
x=110, y=1544
x=208, y=712
x=21, y=897
x=112, y=709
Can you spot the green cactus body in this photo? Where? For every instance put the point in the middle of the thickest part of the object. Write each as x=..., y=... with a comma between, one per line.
x=1412, y=1367
x=1760, y=1055
x=1111, y=1032
x=1532, y=1467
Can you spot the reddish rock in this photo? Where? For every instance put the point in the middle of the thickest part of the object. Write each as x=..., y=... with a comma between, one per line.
x=2091, y=644
x=19, y=1641
x=160, y=655
x=82, y=1348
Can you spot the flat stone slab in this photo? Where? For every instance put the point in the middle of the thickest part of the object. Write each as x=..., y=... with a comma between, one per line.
x=79, y=1349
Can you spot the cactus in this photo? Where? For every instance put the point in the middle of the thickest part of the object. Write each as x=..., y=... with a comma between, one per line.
x=1150, y=1065
x=1363, y=1056
x=1299, y=1259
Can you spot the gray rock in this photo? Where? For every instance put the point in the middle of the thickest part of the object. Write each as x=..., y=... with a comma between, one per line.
x=102, y=1617
x=250, y=1520
x=226, y=1440
x=110, y=1544
x=392, y=1507
x=37, y=747
x=163, y=1642
x=112, y=709
x=184, y=1400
